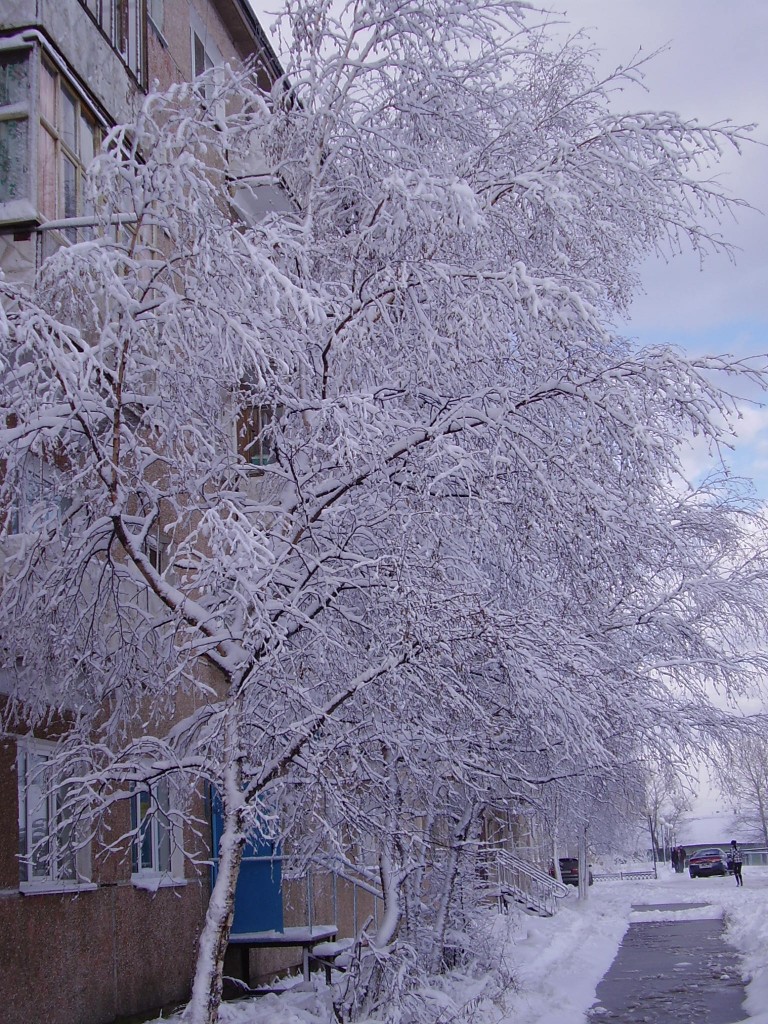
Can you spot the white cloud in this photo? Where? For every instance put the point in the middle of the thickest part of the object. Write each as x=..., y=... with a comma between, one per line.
x=714, y=69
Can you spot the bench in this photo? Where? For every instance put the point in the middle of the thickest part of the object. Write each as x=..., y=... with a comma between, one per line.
x=308, y=938
x=325, y=954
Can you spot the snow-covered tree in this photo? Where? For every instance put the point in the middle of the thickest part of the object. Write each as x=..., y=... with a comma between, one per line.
x=666, y=796
x=360, y=511
x=741, y=773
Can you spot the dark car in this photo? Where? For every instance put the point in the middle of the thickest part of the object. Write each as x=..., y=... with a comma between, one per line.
x=707, y=862
x=569, y=871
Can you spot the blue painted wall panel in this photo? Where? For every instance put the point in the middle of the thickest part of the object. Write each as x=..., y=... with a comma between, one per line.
x=259, y=892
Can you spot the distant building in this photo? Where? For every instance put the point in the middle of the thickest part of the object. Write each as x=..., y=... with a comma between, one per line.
x=717, y=830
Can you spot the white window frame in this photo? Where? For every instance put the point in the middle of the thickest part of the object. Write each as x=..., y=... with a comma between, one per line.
x=23, y=111
x=74, y=152
x=31, y=797
x=39, y=502
x=152, y=867
x=29, y=206
x=156, y=14
x=199, y=31
x=156, y=549
x=212, y=57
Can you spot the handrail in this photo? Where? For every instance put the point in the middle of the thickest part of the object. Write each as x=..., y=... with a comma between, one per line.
x=559, y=888
x=524, y=882
x=338, y=870
x=368, y=887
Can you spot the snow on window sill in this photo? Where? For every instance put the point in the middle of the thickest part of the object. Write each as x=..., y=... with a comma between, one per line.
x=151, y=883
x=50, y=886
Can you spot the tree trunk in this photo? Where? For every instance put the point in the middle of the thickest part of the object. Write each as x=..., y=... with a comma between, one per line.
x=390, y=883
x=556, y=854
x=761, y=810
x=203, y=1007
x=583, y=866
x=654, y=844
x=451, y=872
x=391, y=879
x=413, y=888
x=364, y=990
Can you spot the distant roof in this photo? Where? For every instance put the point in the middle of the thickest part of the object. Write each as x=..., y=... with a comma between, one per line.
x=714, y=830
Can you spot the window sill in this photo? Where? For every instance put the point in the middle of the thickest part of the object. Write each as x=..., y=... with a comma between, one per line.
x=151, y=883
x=52, y=888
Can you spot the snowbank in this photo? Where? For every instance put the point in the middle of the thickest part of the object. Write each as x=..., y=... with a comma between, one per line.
x=553, y=965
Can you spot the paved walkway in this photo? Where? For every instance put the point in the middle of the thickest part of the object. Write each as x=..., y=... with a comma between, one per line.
x=664, y=971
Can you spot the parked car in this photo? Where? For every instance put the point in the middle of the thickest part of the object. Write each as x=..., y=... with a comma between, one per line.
x=707, y=862
x=569, y=871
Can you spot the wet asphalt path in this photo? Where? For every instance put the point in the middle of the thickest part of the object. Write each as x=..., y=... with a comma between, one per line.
x=671, y=971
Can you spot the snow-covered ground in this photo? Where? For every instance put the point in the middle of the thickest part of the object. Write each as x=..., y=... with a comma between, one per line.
x=562, y=959
x=556, y=963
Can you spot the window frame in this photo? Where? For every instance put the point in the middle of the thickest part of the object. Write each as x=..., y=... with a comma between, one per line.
x=198, y=33
x=64, y=151
x=40, y=500
x=24, y=206
x=211, y=57
x=52, y=880
x=156, y=548
x=255, y=440
x=41, y=60
x=149, y=834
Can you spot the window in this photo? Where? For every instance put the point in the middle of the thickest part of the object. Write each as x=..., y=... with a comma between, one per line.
x=154, y=548
x=67, y=142
x=205, y=54
x=155, y=850
x=123, y=22
x=48, y=854
x=202, y=60
x=155, y=554
x=156, y=12
x=40, y=501
x=256, y=433
x=41, y=110
x=14, y=125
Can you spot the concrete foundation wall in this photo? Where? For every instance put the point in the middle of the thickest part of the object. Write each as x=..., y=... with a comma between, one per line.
x=88, y=957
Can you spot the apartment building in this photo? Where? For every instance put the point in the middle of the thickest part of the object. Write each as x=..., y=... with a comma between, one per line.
x=96, y=935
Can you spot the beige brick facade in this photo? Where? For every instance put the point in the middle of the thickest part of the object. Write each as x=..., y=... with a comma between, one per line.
x=108, y=948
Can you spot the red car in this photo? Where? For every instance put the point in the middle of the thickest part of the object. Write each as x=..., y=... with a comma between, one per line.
x=707, y=862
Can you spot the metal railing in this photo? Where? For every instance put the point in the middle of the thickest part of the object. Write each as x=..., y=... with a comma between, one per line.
x=335, y=872
x=622, y=876
x=524, y=883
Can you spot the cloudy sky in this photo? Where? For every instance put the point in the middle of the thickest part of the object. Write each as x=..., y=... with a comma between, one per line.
x=714, y=68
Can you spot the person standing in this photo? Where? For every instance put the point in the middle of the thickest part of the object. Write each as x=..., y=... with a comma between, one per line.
x=674, y=858
x=681, y=855
x=736, y=860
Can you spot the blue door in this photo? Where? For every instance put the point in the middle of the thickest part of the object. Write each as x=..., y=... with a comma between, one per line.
x=259, y=893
